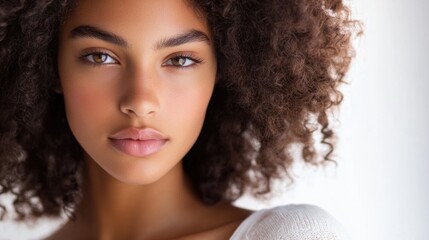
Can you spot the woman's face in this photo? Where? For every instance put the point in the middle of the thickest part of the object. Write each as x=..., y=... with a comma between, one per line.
x=137, y=77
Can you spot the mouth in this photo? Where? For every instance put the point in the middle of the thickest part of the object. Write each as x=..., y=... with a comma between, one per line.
x=138, y=142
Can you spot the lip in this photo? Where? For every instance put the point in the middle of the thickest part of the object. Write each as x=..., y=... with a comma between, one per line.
x=138, y=142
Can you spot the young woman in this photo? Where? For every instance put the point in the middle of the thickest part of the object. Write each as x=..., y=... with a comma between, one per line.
x=146, y=119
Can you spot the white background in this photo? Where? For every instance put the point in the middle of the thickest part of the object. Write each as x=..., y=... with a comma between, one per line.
x=379, y=189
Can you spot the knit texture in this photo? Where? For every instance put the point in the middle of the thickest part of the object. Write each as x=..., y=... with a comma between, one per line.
x=290, y=222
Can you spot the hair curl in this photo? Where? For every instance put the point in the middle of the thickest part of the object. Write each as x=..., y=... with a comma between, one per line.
x=279, y=65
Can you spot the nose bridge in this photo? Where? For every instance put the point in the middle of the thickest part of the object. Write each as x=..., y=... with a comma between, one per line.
x=141, y=90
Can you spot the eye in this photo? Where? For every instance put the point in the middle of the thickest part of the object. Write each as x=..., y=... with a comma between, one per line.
x=98, y=58
x=181, y=61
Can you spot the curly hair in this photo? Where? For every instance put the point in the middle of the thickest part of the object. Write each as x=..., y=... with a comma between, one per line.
x=279, y=66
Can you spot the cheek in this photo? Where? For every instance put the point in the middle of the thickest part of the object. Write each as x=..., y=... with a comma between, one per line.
x=87, y=95
x=187, y=108
x=189, y=102
x=87, y=107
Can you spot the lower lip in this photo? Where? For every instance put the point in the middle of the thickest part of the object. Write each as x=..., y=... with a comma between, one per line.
x=138, y=148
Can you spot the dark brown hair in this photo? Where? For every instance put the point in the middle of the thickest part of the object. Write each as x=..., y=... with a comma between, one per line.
x=279, y=66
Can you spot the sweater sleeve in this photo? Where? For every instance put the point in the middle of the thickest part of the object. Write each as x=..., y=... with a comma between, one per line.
x=291, y=222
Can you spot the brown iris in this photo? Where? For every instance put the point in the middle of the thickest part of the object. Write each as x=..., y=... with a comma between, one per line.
x=178, y=61
x=99, y=57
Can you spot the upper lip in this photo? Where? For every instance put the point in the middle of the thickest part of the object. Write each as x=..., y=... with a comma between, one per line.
x=138, y=134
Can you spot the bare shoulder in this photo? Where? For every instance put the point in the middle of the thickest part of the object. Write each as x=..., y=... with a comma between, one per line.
x=293, y=222
x=232, y=217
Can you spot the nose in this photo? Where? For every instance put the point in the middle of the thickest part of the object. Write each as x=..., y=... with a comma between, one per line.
x=140, y=96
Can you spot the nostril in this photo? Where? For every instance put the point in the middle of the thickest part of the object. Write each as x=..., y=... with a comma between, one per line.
x=127, y=110
x=139, y=103
x=150, y=113
x=134, y=113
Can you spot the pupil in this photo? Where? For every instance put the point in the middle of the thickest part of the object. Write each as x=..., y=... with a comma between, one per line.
x=99, y=58
x=179, y=61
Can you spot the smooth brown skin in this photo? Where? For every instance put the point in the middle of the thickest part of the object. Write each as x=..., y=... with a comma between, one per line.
x=126, y=197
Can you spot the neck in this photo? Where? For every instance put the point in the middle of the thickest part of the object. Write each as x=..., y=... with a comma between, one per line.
x=115, y=210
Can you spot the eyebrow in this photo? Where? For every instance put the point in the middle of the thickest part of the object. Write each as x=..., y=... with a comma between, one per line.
x=95, y=32
x=190, y=36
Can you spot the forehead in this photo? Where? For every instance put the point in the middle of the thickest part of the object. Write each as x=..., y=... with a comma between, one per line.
x=134, y=18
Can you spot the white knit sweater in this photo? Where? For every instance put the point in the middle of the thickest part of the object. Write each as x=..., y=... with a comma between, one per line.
x=290, y=222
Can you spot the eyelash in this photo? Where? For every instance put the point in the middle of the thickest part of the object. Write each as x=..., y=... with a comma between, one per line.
x=84, y=57
x=187, y=56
